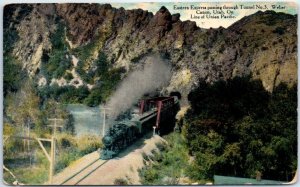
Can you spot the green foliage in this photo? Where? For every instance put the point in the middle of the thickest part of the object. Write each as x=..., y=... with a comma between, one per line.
x=228, y=101
x=22, y=107
x=102, y=65
x=68, y=76
x=84, y=52
x=72, y=94
x=87, y=77
x=57, y=62
x=237, y=128
x=57, y=38
x=106, y=76
x=66, y=157
x=68, y=149
x=168, y=165
x=12, y=146
x=72, y=148
x=13, y=74
x=64, y=94
x=10, y=34
x=34, y=174
x=88, y=143
x=108, y=79
x=50, y=109
x=10, y=37
x=69, y=125
x=94, y=98
x=120, y=182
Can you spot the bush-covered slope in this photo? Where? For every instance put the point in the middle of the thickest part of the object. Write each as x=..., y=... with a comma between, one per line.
x=237, y=128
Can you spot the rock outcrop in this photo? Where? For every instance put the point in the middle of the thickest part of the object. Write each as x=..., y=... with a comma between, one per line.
x=263, y=44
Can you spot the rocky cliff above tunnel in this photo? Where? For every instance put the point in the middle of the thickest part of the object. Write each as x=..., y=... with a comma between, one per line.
x=263, y=44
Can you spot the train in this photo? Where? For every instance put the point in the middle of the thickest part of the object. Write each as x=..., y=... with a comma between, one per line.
x=152, y=114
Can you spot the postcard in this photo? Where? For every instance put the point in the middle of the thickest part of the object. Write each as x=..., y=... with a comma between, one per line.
x=150, y=93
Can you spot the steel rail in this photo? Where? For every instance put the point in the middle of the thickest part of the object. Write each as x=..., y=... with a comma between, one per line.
x=91, y=172
x=78, y=172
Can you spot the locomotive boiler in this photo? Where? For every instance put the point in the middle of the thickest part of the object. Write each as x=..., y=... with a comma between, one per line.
x=156, y=114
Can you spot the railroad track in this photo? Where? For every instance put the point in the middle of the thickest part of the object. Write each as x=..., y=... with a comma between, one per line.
x=84, y=172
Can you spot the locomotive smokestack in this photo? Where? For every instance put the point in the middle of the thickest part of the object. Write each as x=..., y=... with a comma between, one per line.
x=155, y=74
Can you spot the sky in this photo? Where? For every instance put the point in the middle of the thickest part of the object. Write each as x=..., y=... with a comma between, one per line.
x=290, y=6
x=189, y=12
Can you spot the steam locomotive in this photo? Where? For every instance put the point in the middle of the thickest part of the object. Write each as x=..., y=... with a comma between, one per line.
x=154, y=114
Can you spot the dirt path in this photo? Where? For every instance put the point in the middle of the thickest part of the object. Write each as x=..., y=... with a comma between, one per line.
x=74, y=168
x=124, y=166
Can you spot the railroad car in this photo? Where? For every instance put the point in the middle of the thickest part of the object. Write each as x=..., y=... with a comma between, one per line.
x=154, y=114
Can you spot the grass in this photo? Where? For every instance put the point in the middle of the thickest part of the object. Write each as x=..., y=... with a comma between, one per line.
x=69, y=149
x=66, y=158
x=28, y=175
x=168, y=165
x=34, y=174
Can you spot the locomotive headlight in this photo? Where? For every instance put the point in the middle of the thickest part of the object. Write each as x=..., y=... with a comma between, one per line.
x=107, y=140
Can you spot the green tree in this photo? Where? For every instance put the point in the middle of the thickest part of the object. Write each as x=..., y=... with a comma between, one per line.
x=94, y=98
x=22, y=107
x=257, y=129
x=13, y=74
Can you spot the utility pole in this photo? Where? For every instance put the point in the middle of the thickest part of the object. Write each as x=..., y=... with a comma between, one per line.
x=26, y=132
x=52, y=151
x=28, y=143
x=55, y=125
x=23, y=134
x=154, y=127
x=104, y=120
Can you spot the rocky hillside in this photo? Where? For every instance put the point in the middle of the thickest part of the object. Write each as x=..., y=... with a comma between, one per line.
x=52, y=40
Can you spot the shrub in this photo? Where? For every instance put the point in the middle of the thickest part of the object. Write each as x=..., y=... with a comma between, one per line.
x=88, y=143
x=237, y=128
x=107, y=76
x=145, y=157
x=102, y=65
x=65, y=140
x=71, y=94
x=120, y=182
x=69, y=125
x=279, y=30
x=13, y=74
x=160, y=146
x=56, y=63
x=71, y=149
x=170, y=163
x=65, y=158
x=94, y=98
x=69, y=76
x=57, y=38
x=85, y=52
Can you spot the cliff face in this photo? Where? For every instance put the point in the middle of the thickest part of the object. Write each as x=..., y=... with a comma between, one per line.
x=263, y=44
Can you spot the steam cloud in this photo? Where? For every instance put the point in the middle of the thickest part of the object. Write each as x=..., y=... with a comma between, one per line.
x=153, y=75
